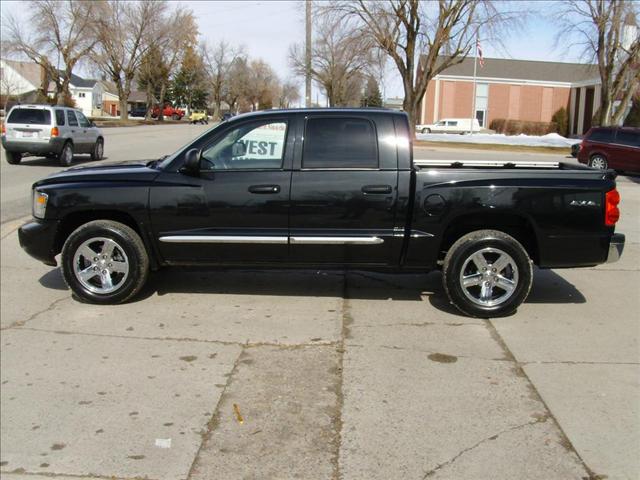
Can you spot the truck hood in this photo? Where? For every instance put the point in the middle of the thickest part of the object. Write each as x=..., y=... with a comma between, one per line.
x=130, y=171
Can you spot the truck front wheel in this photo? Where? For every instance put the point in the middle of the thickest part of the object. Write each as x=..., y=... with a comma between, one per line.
x=487, y=273
x=104, y=262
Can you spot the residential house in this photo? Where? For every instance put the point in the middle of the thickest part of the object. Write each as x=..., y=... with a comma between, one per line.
x=20, y=80
x=514, y=90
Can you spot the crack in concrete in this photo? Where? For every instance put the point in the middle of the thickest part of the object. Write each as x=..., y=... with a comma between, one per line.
x=519, y=370
x=185, y=339
x=215, y=417
x=477, y=444
x=337, y=421
x=573, y=362
x=22, y=472
x=21, y=323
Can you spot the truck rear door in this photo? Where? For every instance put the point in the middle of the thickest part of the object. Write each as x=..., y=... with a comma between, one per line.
x=343, y=190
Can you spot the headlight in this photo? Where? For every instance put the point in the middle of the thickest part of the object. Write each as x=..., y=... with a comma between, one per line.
x=39, y=203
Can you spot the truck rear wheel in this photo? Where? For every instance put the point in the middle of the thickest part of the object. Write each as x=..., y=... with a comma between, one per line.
x=104, y=262
x=487, y=273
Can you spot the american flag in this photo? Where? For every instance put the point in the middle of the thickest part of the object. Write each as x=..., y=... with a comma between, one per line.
x=479, y=50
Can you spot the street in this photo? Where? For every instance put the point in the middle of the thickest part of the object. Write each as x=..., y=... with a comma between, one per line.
x=312, y=374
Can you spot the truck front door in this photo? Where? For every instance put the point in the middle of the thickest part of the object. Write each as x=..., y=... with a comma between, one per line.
x=344, y=191
x=236, y=210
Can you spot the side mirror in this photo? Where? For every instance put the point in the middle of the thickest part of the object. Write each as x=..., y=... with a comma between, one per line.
x=192, y=161
x=239, y=149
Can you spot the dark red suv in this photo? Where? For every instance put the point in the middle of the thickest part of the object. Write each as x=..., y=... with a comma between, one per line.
x=611, y=147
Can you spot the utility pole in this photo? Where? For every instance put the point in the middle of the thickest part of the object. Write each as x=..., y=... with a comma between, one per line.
x=307, y=60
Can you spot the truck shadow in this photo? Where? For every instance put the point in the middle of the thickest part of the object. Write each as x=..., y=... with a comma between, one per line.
x=548, y=287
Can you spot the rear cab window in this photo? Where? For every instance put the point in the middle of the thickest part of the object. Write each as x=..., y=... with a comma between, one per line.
x=31, y=116
x=344, y=142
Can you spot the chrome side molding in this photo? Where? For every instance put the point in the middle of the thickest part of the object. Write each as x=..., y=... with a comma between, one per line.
x=224, y=239
x=336, y=240
x=295, y=240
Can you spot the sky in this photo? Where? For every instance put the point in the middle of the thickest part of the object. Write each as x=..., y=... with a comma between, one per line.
x=267, y=28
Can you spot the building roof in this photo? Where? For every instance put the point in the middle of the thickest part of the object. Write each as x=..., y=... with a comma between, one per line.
x=80, y=82
x=30, y=71
x=526, y=70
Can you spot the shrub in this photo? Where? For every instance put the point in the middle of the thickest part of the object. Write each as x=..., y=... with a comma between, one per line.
x=516, y=127
x=561, y=120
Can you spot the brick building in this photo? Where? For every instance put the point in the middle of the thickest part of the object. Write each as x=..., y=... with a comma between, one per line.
x=514, y=90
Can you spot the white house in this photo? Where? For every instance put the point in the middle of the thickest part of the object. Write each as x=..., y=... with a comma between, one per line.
x=19, y=78
x=87, y=94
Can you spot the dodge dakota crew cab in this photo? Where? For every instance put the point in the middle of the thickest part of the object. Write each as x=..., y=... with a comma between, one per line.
x=323, y=188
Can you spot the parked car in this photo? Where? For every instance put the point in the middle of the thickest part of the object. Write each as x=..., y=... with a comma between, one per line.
x=199, y=117
x=611, y=147
x=227, y=116
x=138, y=112
x=450, y=125
x=324, y=188
x=168, y=112
x=51, y=131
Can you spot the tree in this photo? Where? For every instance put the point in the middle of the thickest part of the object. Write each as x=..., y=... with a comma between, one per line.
x=289, y=94
x=263, y=86
x=603, y=28
x=218, y=60
x=151, y=75
x=189, y=85
x=61, y=29
x=125, y=32
x=178, y=35
x=561, y=119
x=372, y=96
x=340, y=56
x=238, y=84
x=423, y=39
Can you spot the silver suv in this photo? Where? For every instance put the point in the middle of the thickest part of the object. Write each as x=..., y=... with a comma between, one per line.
x=51, y=131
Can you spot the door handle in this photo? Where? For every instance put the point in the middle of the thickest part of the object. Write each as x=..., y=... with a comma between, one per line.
x=264, y=189
x=377, y=189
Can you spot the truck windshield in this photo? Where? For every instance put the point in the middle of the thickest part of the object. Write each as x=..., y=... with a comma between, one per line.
x=32, y=116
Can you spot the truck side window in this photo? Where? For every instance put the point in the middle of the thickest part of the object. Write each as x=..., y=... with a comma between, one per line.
x=340, y=143
x=71, y=116
x=255, y=145
x=59, y=117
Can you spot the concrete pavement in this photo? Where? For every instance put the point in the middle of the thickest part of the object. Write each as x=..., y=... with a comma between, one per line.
x=320, y=375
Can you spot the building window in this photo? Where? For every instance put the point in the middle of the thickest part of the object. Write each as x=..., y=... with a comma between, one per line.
x=81, y=94
x=482, y=102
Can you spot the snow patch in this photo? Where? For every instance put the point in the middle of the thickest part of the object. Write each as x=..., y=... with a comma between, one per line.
x=548, y=140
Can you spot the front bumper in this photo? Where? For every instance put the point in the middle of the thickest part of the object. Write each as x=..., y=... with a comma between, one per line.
x=616, y=246
x=37, y=238
x=54, y=145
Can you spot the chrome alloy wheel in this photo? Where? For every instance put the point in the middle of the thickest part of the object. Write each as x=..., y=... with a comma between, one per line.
x=489, y=277
x=101, y=265
x=598, y=162
x=99, y=150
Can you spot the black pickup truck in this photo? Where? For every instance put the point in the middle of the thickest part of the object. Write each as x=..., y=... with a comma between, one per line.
x=323, y=188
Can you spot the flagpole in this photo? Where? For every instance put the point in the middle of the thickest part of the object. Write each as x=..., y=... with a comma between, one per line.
x=473, y=100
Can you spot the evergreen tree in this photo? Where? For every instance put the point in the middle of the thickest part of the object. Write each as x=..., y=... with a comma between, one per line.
x=372, y=96
x=633, y=117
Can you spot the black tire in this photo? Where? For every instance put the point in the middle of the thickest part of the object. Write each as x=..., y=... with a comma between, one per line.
x=426, y=130
x=65, y=157
x=175, y=116
x=598, y=161
x=133, y=251
x=13, y=157
x=491, y=245
x=98, y=150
